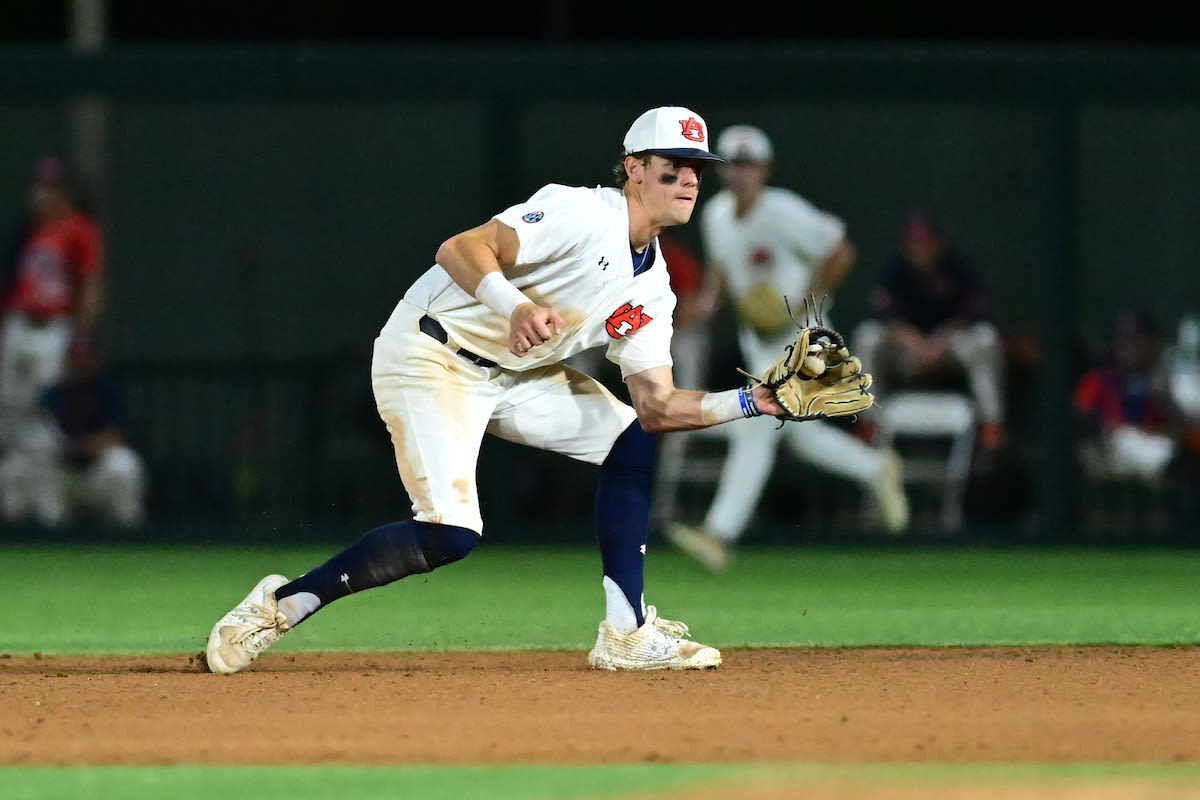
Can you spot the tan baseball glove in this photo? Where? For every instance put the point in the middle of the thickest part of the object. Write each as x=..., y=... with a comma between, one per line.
x=817, y=377
x=764, y=310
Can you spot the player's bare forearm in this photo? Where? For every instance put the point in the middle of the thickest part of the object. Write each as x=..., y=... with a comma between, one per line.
x=93, y=445
x=709, y=296
x=87, y=308
x=662, y=408
x=906, y=333
x=834, y=271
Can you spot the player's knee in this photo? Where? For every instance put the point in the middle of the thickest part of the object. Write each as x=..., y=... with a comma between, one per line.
x=634, y=450
x=120, y=461
x=444, y=544
x=988, y=339
x=391, y=552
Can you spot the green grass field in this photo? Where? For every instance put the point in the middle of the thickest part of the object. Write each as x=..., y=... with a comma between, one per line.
x=138, y=599
x=566, y=783
x=164, y=600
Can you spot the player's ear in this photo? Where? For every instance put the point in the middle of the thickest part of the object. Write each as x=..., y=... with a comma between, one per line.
x=635, y=168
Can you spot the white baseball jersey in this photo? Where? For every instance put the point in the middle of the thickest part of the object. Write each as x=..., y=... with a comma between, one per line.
x=781, y=241
x=574, y=257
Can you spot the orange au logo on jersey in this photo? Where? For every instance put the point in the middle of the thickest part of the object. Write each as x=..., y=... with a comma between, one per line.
x=625, y=320
x=692, y=129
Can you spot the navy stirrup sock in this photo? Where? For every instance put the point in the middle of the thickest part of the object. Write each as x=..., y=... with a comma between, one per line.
x=623, y=512
x=385, y=554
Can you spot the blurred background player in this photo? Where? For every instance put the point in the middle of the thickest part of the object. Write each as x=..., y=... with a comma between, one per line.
x=73, y=459
x=767, y=247
x=51, y=294
x=1129, y=423
x=929, y=320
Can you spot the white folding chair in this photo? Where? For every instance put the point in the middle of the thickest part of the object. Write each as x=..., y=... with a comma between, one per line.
x=932, y=415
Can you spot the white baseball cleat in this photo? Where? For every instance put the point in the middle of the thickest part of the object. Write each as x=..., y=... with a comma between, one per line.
x=709, y=550
x=248, y=630
x=888, y=488
x=671, y=627
x=658, y=644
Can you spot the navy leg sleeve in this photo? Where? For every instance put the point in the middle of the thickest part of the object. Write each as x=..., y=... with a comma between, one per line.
x=623, y=511
x=385, y=554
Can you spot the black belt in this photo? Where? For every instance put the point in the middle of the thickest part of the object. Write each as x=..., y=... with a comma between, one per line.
x=431, y=327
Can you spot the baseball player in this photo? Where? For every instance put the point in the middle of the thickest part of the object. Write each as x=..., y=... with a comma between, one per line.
x=74, y=459
x=766, y=247
x=52, y=294
x=929, y=312
x=476, y=347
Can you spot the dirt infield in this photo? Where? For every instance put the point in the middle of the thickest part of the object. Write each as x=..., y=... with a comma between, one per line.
x=1036, y=705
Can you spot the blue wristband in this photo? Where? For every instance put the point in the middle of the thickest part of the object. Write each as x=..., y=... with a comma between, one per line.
x=746, y=396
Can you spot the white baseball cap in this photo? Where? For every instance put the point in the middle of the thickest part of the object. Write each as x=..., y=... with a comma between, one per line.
x=745, y=143
x=670, y=131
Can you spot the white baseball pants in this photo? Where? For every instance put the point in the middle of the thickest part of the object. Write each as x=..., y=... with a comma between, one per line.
x=437, y=407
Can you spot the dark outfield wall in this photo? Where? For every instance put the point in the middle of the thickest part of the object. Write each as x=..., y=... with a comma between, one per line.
x=271, y=205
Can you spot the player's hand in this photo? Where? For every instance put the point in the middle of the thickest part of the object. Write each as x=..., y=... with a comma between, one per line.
x=930, y=351
x=531, y=325
x=766, y=402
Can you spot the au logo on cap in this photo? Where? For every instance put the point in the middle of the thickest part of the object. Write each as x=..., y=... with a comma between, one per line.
x=692, y=129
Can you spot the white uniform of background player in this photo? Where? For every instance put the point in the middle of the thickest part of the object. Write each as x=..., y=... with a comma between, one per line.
x=72, y=459
x=36, y=482
x=771, y=241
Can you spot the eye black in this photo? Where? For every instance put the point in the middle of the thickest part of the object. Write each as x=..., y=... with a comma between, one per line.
x=668, y=179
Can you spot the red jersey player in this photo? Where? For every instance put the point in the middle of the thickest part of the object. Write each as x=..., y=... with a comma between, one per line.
x=53, y=292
